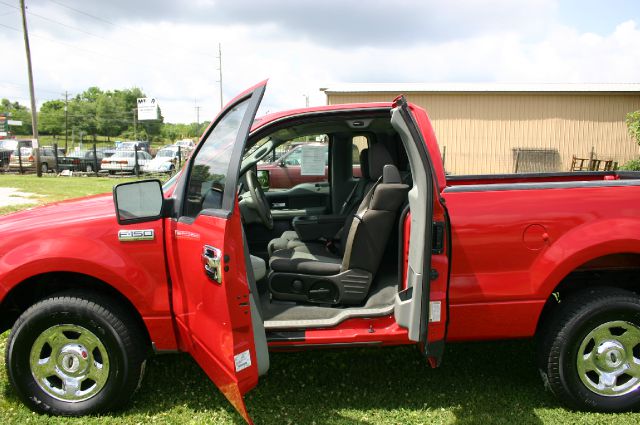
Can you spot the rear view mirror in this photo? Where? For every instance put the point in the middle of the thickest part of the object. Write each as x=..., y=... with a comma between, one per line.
x=138, y=201
x=263, y=178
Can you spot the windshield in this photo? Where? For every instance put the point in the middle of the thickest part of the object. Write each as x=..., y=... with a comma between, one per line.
x=255, y=147
x=165, y=153
x=23, y=151
x=123, y=154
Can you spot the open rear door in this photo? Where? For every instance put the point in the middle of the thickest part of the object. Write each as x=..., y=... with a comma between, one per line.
x=212, y=300
x=422, y=306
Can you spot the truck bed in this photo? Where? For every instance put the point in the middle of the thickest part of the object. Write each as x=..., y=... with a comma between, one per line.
x=541, y=180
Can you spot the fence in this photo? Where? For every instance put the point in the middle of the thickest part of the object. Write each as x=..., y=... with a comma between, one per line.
x=84, y=163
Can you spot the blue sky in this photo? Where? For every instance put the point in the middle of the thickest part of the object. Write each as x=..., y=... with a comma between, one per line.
x=598, y=16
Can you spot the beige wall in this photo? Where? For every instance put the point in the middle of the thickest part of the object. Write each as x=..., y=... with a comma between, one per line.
x=481, y=131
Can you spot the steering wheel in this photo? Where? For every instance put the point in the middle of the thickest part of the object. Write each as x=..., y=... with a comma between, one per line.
x=260, y=202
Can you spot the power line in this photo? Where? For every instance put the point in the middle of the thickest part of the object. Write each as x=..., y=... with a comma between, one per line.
x=24, y=85
x=99, y=54
x=158, y=52
x=56, y=22
x=106, y=21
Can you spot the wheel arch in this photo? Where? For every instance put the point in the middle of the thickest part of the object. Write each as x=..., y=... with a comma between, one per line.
x=618, y=269
x=40, y=286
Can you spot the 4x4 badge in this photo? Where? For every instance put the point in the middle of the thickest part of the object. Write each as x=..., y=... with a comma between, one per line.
x=136, y=235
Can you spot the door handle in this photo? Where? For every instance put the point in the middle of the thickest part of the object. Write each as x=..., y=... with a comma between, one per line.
x=211, y=262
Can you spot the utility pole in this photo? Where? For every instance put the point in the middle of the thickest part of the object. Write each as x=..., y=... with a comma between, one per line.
x=197, y=108
x=135, y=123
x=66, y=121
x=34, y=113
x=306, y=97
x=220, y=73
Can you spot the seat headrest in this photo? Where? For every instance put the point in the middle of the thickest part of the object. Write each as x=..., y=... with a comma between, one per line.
x=378, y=157
x=390, y=174
x=364, y=163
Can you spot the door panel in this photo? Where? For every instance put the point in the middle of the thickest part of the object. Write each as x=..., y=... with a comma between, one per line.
x=422, y=307
x=215, y=317
x=210, y=291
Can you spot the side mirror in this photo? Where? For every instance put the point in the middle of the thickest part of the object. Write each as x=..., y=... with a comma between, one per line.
x=281, y=163
x=138, y=201
x=263, y=178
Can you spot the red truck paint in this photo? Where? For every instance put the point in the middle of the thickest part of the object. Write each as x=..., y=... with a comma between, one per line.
x=498, y=283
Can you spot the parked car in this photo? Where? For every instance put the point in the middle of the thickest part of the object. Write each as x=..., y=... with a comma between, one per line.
x=125, y=161
x=186, y=144
x=92, y=287
x=7, y=147
x=131, y=144
x=165, y=161
x=81, y=161
x=286, y=171
x=26, y=160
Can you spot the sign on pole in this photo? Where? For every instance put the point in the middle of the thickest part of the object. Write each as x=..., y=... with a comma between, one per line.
x=14, y=122
x=147, y=108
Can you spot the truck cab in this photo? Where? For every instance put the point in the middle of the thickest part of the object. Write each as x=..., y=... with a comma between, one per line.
x=217, y=264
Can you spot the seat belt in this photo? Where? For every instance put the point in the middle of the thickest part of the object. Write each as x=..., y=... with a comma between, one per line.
x=346, y=259
x=344, y=210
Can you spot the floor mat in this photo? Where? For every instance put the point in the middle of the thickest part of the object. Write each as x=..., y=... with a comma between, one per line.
x=383, y=290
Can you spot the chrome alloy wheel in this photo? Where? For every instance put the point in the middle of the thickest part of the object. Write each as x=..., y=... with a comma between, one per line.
x=609, y=359
x=69, y=363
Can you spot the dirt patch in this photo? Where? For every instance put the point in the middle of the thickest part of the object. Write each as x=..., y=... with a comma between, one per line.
x=11, y=196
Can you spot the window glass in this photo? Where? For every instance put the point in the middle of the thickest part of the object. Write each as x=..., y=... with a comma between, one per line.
x=300, y=160
x=359, y=143
x=210, y=166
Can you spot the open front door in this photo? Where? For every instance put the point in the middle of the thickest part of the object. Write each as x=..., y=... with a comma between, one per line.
x=422, y=307
x=212, y=301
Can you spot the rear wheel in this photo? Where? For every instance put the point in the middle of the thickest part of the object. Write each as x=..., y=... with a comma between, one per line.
x=590, y=354
x=75, y=355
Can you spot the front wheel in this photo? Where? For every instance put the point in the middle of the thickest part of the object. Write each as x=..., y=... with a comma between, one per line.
x=590, y=355
x=75, y=355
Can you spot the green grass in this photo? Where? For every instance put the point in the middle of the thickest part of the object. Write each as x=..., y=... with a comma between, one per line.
x=51, y=188
x=481, y=383
x=478, y=383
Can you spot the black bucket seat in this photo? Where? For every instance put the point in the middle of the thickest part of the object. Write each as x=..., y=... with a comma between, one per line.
x=316, y=272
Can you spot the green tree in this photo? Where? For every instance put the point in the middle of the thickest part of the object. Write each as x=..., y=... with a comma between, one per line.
x=111, y=118
x=633, y=125
x=51, y=117
x=17, y=112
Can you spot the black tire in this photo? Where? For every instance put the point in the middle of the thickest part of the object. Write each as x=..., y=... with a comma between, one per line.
x=44, y=168
x=111, y=172
x=122, y=340
x=587, y=325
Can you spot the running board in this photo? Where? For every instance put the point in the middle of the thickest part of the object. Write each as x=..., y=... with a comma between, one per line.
x=328, y=323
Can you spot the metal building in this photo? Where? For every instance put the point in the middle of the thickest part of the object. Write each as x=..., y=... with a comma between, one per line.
x=506, y=128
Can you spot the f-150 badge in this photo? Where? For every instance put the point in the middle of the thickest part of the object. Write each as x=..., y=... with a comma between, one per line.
x=136, y=235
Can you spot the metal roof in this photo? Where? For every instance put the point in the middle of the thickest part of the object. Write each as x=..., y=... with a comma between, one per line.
x=622, y=88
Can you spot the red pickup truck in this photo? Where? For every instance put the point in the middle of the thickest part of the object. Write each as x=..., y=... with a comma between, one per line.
x=401, y=255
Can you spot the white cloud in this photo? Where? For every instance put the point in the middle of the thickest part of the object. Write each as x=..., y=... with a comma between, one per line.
x=174, y=60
